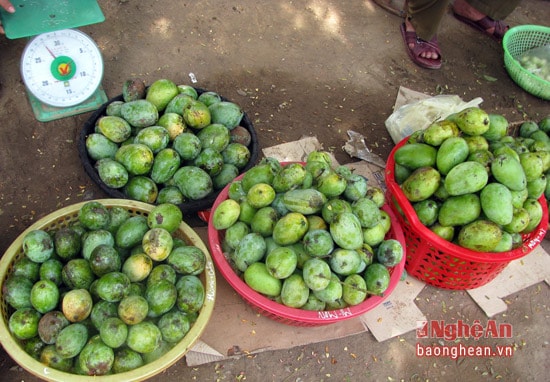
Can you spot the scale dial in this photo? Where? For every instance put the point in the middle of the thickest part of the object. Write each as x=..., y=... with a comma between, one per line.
x=62, y=68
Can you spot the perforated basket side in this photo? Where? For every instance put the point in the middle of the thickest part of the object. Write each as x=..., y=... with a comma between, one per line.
x=435, y=266
x=516, y=42
x=441, y=263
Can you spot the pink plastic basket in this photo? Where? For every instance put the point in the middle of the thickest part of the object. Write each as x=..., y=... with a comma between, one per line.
x=280, y=312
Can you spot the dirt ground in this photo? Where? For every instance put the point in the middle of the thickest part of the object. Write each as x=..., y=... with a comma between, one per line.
x=297, y=67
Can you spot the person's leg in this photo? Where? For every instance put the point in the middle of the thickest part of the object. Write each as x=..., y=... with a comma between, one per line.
x=420, y=28
x=424, y=16
x=485, y=15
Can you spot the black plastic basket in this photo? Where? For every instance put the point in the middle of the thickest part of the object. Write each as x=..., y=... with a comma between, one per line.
x=189, y=208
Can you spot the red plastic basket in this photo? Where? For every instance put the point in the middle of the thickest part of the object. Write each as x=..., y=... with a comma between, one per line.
x=294, y=316
x=441, y=263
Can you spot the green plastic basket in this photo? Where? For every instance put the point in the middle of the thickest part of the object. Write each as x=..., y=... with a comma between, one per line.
x=516, y=42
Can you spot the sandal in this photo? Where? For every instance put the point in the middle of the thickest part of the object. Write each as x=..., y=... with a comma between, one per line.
x=410, y=37
x=486, y=23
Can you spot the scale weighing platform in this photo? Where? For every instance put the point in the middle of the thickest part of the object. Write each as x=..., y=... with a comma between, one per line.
x=62, y=67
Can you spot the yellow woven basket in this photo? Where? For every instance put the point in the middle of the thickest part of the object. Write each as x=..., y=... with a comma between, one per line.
x=62, y=218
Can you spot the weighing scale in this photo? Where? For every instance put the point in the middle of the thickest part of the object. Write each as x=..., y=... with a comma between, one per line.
x=61, y=67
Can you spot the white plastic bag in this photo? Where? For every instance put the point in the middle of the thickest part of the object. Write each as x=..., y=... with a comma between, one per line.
x=418, y=115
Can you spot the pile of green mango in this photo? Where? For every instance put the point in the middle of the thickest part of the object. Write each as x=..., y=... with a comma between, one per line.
x=474, y=182
x=167, y=143
x=106, y=293
x=308, y=235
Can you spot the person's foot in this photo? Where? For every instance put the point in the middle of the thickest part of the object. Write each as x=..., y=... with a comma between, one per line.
x=428, y=53
x=423, y=53
x=471, y=16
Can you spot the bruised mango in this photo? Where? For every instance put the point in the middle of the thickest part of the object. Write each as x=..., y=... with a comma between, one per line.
x=114, y=128
x=481, y=235
x=421, y=184
x=472, y=121
x=139, y=113
x=346, y=230
x=436, y=133
x=509, y=171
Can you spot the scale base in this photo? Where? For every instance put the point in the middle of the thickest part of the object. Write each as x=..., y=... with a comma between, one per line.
x=47, y=113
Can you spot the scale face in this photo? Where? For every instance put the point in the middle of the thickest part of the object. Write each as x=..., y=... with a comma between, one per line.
x=62, y=68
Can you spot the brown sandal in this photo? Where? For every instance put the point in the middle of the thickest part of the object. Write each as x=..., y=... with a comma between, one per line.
x=410, y=37
x=486, y=23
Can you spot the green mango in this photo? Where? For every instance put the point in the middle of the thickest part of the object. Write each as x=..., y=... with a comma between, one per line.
x=536, y=188
x=452, y=151
x=346, y=230
x=415, y=155
x=139, y=113
x=193, y=182
x=114, y=128
x=444, y=232
x=281, y=262
x=214, y=136
x=98, y=146
x=496, y=203
x=226, y=113
x=161, y=92
x=318, y=243
x=480, y=235
x=294, y=292
x=290, y=229
x=264, y=221
x=533, y=165
x=354, y=290
x=165, y=164
x=331, y=184
x=226, y=175
x=131, y=231
x=112, y=173
x=258, y=278
x=155, y=137
x=316, y=274
x=427, y=211
x=251, y=249
x=421, y=184
x=498, y=127
x=137, y=158
x=367, y=211
x=377, y=278
x=305, y=201
x=333, y=207
x=509, y=171
x=472, y=121
x=261, y=173
x=534, y=209
x=141, y=188
x=459, y=210
x=290, y=177
x=466, y=178
x=520, y=221
x=226, y=214
x=437, y=132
